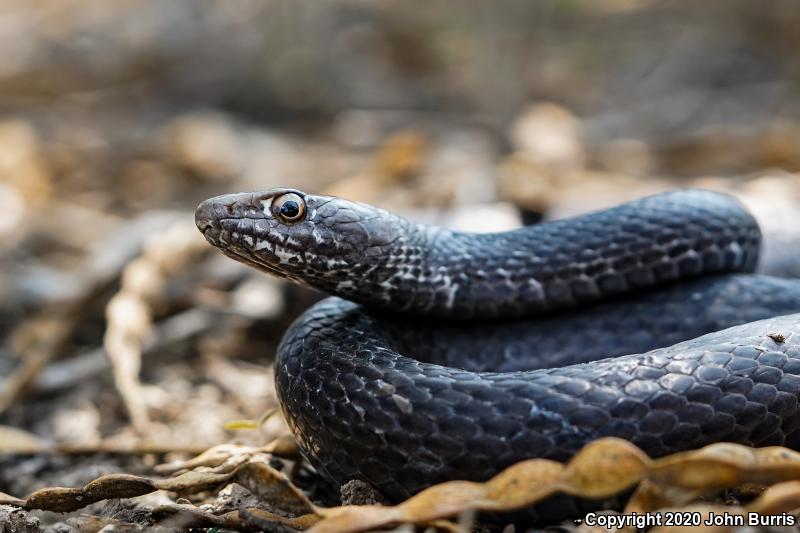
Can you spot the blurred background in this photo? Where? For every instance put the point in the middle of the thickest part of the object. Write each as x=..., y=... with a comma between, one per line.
x=125, y=337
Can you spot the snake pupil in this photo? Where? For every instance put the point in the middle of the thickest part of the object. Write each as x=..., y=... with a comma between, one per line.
x=290, y=209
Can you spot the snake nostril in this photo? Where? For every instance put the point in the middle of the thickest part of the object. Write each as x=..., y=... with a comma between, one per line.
x=204, y=225
x=204, y=217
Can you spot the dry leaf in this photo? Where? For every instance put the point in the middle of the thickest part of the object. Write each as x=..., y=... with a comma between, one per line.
x=14, y=440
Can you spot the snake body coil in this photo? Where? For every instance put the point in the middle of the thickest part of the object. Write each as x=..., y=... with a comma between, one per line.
x=378, y=390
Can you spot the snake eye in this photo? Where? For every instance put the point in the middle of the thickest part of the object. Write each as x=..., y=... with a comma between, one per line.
x=289, y=207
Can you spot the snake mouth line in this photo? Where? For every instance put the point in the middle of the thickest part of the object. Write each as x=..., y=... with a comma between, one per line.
x=259, y=264
x=224, y=244
x=262, y=265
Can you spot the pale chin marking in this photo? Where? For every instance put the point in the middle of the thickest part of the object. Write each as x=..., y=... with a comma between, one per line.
x=284, y=255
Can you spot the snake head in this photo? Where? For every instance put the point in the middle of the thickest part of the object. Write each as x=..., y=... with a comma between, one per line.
x=307, y=238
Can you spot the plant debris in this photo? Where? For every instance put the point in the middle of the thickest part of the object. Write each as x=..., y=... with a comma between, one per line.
x=606, y=467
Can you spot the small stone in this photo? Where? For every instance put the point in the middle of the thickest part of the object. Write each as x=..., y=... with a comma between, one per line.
x=357, y=492
x=13, y=519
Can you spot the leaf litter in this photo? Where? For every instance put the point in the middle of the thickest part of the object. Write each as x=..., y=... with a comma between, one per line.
x=687, y=481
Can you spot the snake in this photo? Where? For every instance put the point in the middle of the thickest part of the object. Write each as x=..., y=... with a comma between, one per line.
x=446, y=355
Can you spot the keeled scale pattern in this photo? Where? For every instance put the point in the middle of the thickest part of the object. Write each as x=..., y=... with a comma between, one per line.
x=563, y=263
x=634, y=323
x=360, y=410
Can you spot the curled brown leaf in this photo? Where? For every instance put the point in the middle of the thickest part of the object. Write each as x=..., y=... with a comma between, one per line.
x=603, y=468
